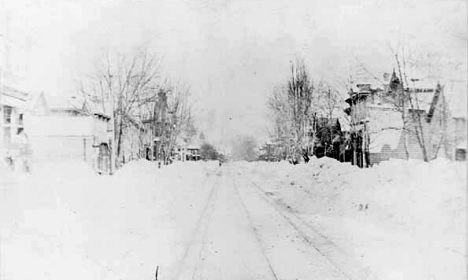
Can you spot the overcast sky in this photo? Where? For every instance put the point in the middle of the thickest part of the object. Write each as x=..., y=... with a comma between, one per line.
x=233, y=53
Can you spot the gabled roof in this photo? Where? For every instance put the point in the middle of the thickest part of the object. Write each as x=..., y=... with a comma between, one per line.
x=455, y=93
x=15, y=93
x=56, y=103
x=422, y=101
x=193, y=147
x=37, y=103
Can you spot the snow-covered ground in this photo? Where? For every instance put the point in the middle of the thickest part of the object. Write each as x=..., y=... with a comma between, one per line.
x=402, y=219
x=66, y=222
x=323, y=220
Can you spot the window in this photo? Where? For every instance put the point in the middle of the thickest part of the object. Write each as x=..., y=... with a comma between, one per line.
x=20, y=119
x=460, y=155
x=7, y=114
x=20, y=129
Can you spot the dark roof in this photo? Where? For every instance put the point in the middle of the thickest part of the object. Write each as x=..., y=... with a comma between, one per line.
x=102, y=116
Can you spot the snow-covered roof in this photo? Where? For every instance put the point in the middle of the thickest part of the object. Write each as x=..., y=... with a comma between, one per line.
x=194, y=143
x=462, y=145
x=193, y=146
x=422, y=100
x=15, y=93
x=455, y=93
x=63, y=102
x=374, y=84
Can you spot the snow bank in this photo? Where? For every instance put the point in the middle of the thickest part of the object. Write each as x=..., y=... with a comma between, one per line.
x=404, y=219
x=65, y=221
x=69, y=169
x=414, y=212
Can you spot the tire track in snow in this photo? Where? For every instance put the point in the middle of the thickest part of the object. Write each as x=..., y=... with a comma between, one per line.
x=201, y=225
x=351, y=268
x=255, y=230
x=198, y=270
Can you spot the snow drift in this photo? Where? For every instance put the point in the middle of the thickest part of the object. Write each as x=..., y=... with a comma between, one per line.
x=405, y=219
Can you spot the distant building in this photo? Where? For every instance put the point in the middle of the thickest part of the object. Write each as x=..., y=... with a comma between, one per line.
x=180, y=150
x=63, y=129
x=193, y=152
x=186, y=150
x=267, y=152
x=385, y=120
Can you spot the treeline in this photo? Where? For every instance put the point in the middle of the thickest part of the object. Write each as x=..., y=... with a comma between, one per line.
x=148, y=112
x=304, y=113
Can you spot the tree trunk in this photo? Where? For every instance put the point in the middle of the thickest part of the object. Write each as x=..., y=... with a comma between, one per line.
x=119, y=140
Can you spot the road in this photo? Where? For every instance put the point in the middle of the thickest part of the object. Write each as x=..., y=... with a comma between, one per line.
x=196, y=220
x=245, y=232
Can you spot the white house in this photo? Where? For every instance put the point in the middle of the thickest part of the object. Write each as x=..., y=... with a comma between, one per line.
x=62, y=128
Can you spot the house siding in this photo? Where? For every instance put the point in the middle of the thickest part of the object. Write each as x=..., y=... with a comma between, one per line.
x=66, y=137
x=373, y=113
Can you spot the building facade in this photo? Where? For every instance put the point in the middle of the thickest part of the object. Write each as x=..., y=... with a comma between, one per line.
x=389, y=121
x=13, y=96
x=68, y=130
x=14, y=147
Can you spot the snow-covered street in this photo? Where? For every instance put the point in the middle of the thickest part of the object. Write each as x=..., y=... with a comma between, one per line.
x=243, y=235
x=233, y=140
x=323, y=220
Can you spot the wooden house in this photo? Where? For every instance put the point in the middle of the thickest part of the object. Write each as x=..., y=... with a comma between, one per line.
x=389, y=121
x=61, y=128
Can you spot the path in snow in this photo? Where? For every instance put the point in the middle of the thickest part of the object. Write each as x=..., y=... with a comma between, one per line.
x=224, y=245
x=242, y=234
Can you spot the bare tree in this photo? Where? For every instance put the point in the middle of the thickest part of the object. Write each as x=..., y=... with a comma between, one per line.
x=291, y=110
x=417, y=121
x=328, y=107
x=279, y=111
x=121, y=85
x=180, y=117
